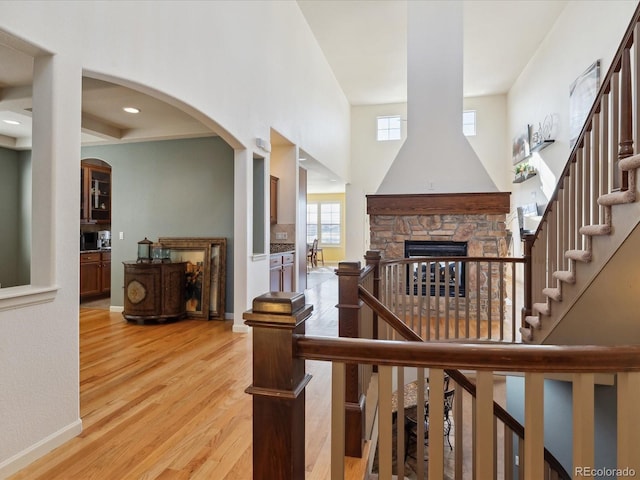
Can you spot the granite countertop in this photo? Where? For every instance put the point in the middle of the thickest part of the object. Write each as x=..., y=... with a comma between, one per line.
x=282, y=247
x=96, y=250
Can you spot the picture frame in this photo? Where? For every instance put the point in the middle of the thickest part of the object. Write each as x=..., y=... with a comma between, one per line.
x=209, y=302
x=582, y=93
x=520, y=146
x=218, y=278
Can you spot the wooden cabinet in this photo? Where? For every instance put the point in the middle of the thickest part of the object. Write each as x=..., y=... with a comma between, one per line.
x=95, y=194
x=273, y=200
x=281, y=272
x=154, y=291
x=95, y=273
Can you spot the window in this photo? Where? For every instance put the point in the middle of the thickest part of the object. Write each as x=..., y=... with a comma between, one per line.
x=324, y=223
x=312, y=222
x=469, y=123
x=389, y=128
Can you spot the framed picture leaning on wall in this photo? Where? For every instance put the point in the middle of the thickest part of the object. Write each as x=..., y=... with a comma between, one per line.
x=205, y=287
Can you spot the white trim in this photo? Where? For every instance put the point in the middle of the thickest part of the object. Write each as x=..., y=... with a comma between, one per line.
x=116, y=308
x=258, y=257
x=240, y=329
x=25, y=296
x=37, y=450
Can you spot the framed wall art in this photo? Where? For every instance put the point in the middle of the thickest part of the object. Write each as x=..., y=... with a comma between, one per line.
x=520, y=147
x=582, y=94
x=205, y=287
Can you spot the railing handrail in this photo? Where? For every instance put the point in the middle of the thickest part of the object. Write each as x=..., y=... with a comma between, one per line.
x=402, y=261
x=472, y=356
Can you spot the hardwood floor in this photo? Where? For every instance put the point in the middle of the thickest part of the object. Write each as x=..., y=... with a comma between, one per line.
x=167, y=401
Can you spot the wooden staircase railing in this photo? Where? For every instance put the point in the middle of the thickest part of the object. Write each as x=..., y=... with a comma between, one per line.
x=281, y=347
x=371, y=280
x=600, y=174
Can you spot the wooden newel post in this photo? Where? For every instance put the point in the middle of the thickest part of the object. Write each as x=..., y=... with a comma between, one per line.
x=278, y=388
x=527, y=308
x=349, y=306
x=626, y=116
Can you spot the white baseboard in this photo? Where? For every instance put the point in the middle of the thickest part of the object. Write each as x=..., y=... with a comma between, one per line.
x=44, y=446
x=240, y=329
x=116, y=309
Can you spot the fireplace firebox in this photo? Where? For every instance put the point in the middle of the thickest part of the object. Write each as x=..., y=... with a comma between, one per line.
x=447, y=277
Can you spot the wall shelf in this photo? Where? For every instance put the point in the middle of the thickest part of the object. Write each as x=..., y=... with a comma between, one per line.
x=524, y=178
x=541, y=146
x=532, y=150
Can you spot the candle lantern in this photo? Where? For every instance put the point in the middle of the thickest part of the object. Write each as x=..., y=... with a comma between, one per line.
x=144, y=250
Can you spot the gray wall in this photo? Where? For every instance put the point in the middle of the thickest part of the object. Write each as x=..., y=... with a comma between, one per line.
x=15, y=217
x=9, y=217
x=558, y=420
x=170, y=188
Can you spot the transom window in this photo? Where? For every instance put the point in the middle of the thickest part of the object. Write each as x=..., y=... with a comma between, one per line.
x=323, y=222
x=389, y=128
x=469, y=123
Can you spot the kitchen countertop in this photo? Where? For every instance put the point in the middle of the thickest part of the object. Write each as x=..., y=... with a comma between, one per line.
x=282, y=248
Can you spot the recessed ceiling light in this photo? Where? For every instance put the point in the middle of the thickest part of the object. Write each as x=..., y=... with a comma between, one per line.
x=11, y=122
x=131, y=110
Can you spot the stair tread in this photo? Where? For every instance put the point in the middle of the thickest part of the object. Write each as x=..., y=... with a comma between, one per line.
x=534, y=321
x=542, y=308
x=630, y=163
x=553, y=293
x=527, y=335
x=617, y=198
x=595, y=230
x=578, y=255
x=566, y=276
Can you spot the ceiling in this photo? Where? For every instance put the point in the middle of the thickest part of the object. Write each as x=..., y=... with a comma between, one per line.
x=364, y=42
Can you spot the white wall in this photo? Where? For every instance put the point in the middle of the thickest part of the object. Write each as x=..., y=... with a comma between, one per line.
x=370, y=161
x=490, y=142
x=584, y=32
x=240, y=67
x=435, y=146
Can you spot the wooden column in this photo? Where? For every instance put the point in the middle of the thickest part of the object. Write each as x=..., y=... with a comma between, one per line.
x=528, y=277
x=278, y=388
x=349, y=305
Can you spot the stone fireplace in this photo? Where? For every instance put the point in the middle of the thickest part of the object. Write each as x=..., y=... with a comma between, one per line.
x=475, y=220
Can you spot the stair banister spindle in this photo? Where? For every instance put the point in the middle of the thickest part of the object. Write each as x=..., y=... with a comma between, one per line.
x=583, y=419
x=604, y=152
x=615, y=131
x=626, y=120
x=373, y=257
x=595, y=177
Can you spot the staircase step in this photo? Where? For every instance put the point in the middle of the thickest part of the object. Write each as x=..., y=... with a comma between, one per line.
x=553, y=293
x=595, y=230
x=527, y=335
x=578, y=255
x=542, y=308
x=630, y=163
x=617, y=198
x=533, y=321
x=565, y=276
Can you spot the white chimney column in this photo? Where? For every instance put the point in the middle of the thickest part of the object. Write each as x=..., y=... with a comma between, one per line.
x=436, y=157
